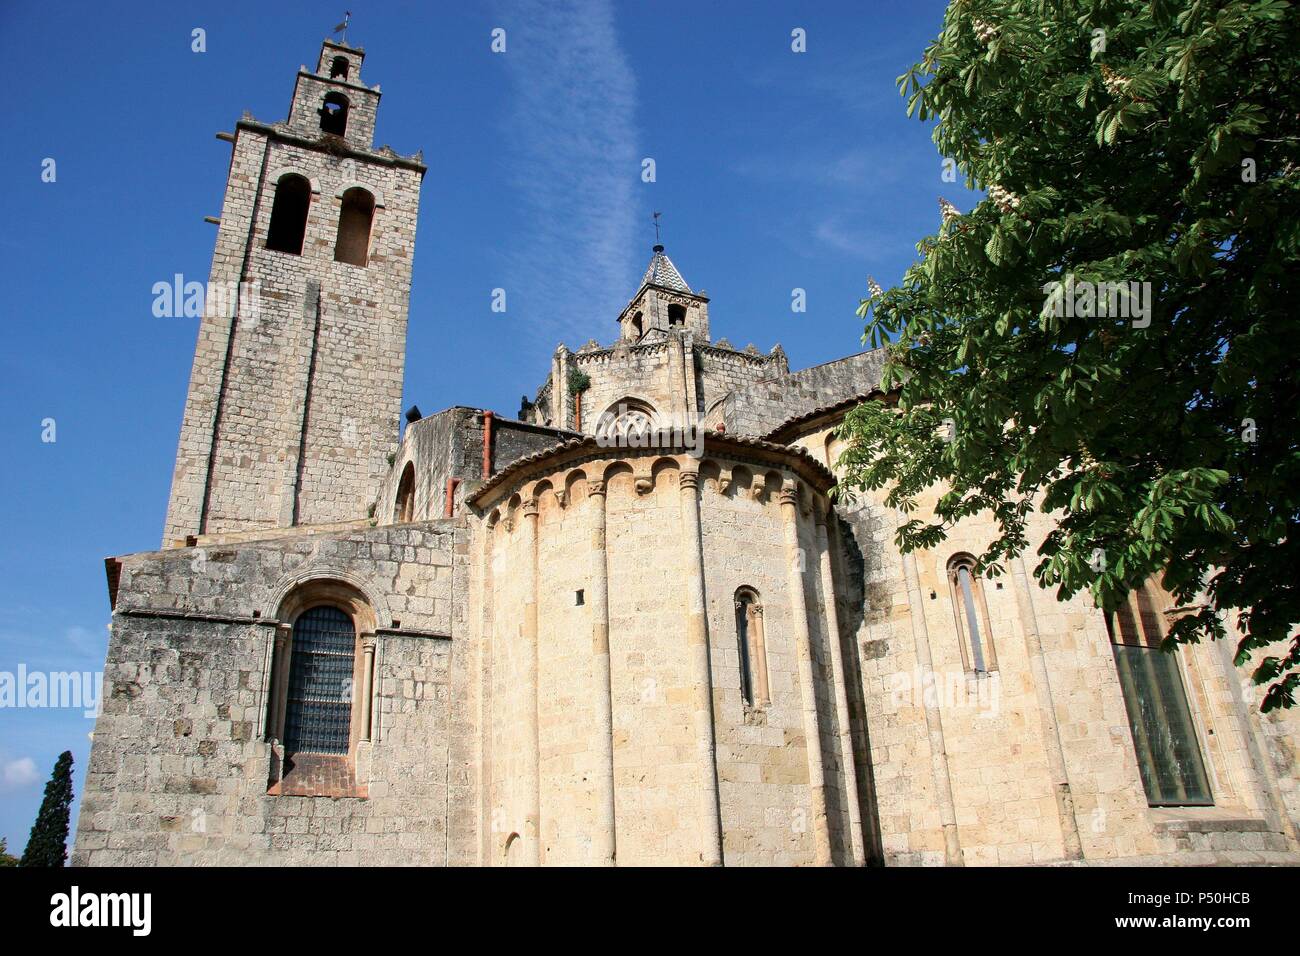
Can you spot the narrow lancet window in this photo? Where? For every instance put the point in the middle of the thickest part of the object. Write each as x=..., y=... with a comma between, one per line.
x=750, y=646
x=972, y=616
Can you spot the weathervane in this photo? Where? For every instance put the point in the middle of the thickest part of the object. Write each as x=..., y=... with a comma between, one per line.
x=655, y=217
x=343, y=27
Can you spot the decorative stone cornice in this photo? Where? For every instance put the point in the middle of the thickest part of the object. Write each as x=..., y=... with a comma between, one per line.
x=717, y=349
x=287, y=135
x=576, y=453
x=789, y=493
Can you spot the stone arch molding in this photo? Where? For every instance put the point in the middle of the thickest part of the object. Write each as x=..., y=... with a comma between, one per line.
x=321, y=571
x=275, y=175
x=366, y=187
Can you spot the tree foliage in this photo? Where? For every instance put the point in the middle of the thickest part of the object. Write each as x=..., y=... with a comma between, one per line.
x=1118, y=142
x=48, y=843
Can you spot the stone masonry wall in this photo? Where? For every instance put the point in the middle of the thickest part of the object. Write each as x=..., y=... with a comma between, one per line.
x=638, y=371
x=992, y=729
x=449, y=444
x=178, y=771
x=720, y=371
x=762, y=757
x=295, y=401
x=762, y=751
x=311, y=88
x=759, y=408
x=676, y=374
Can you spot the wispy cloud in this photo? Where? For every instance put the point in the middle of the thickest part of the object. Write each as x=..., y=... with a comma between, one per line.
x=864, y=244
x=574, y=163
x=18, y=774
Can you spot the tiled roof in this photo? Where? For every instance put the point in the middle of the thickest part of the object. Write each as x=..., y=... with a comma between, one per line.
x=661, y=271
x=789, y=428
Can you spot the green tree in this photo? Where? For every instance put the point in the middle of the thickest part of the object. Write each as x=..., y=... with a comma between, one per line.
x=6, y=858
x=1117, y=142
x=48, y=844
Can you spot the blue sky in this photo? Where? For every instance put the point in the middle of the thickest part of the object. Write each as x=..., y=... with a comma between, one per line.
x=775, y=170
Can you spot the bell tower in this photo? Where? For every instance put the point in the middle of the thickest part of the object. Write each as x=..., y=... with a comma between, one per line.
x=296, y=388
x=332, y=100
x=664, y=302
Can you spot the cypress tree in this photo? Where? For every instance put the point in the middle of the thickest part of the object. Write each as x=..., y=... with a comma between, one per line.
x=48, y=844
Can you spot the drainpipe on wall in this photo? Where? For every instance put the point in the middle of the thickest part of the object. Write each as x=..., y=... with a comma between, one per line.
x=451, y=497
x=487, y=446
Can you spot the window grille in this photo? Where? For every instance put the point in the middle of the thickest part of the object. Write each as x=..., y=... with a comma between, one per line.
x=1169, y=758
x=319, y=711
x=1164, y=736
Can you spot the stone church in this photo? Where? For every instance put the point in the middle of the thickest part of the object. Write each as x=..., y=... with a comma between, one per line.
x=631, y=625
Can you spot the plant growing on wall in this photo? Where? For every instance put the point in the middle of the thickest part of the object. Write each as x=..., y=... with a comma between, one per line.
x=579, y=382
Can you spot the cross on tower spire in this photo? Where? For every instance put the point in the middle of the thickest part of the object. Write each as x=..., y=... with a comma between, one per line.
x=655, y=217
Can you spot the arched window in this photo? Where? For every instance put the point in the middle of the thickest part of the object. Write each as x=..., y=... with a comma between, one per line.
x=637, y=330
x=289, y=214
x=972, y=616
x=355, y=219
x=751, y=647
x=627, y=421
x=676, y=316
x=834, y=448
x=1164, y=735
x=404, y=508
x=318, y=707
x=339, y=68
x=334, y=114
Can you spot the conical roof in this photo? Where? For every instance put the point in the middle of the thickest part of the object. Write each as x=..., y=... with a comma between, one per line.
x=662, y=272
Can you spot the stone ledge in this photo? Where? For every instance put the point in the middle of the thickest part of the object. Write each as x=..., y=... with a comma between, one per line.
x=1209, y=824
x=1193, y=858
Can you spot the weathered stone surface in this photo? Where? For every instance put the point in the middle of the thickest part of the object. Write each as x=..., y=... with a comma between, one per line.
x=294, y=399
x=547, y=633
